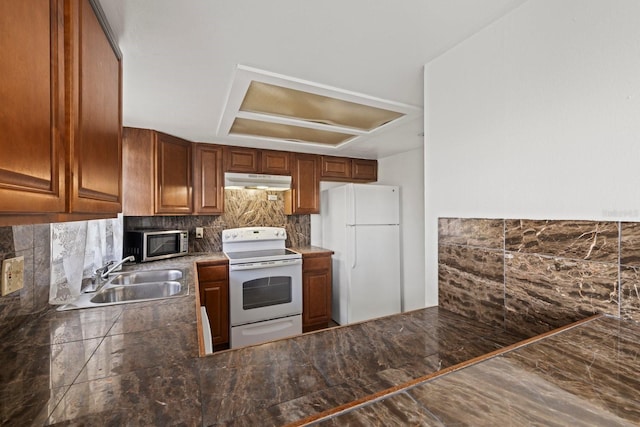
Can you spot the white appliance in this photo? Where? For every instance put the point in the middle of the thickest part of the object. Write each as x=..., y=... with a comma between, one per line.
x=265, y=285
x=360, y=223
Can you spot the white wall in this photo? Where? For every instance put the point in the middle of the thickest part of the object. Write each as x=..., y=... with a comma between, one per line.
x=407, y=171
x=536, y=116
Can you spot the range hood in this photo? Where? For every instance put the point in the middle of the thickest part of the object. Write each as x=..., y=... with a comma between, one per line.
x=256, y=181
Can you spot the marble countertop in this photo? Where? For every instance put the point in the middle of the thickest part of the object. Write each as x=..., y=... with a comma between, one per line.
x=311, y=250
x=138, y=364
x=587, y=375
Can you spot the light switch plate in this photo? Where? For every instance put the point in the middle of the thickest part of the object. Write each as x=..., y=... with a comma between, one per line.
x=12, y=275
x=199, y=232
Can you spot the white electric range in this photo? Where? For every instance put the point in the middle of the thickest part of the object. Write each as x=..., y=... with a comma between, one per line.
x=265, y=285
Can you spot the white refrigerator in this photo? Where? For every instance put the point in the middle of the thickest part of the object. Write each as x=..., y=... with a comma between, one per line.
x=360, y=223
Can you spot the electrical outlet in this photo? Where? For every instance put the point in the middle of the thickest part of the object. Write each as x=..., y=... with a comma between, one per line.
x=199, y=232
x=272, y=197
x=12, y=275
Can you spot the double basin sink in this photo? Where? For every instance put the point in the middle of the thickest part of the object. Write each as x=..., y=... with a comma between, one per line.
x=134, y=286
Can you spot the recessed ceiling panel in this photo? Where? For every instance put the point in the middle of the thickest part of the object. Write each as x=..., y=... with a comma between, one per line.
x=287, y=132
x=278, y=108
x=309, y=107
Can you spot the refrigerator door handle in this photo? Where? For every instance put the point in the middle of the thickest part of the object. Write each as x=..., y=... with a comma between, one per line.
x=354, y=247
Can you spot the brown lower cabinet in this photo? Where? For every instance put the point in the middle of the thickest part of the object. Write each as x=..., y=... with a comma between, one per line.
x=316, y=291
x=213, y=281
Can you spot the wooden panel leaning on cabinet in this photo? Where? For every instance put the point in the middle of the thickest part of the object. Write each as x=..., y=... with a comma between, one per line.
x=316, y=291
x=213, y=283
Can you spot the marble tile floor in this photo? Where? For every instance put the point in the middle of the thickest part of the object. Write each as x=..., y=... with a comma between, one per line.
x=587, y=375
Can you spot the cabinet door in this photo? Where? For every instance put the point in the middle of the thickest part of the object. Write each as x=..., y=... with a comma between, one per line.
x=138, y=168
x=364, y=170
x=93, y=88
x=275, y=162
x=336, y=167
x=214, y=296
x=316, y=291
x=173, y=175
x=304, y=197
x=208, y=183
x=216, y=302
x=239, y=159
x=32, y=168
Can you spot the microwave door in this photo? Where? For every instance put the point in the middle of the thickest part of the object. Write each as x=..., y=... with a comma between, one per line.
x=158, y=245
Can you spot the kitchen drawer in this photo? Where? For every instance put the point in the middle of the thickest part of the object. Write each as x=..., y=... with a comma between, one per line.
x=316, y=263
x=212, y=273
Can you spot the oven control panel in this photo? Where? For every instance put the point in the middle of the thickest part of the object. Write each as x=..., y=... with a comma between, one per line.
x=247, y=234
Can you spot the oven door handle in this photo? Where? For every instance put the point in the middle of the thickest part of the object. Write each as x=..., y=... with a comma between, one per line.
x=265, y=264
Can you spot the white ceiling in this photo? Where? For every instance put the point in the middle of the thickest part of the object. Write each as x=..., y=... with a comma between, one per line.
x=180, y=56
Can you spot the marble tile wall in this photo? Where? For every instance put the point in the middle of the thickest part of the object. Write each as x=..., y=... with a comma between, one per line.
x=32, y=242
x=531, y=276
x=243, y=208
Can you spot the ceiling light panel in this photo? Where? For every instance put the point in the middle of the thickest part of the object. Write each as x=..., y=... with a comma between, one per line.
x=256, y=128
x=273, y=107
x=309, y=107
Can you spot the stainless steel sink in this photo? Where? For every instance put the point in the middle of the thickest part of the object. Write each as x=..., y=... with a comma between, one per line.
x=144, y=291
x=134, y=277
x=134, y=286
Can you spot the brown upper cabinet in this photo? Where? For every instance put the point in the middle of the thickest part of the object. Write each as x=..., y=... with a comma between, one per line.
x=304, y=196
x=93, y=88
x=251, y=160
x=347, y=169
x=208, y=182
x=61, y=152
x=157, y=173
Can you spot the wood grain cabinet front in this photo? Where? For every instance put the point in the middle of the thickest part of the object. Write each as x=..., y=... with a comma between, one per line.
x=213, y=281
x=93, y=102
x=348, y=170
x=316, y=292
x=208, y=179
x=173, y=175
x=157, y=173
x=60, y=115
x=304, y=196
x=252, y=160
x=241, y=160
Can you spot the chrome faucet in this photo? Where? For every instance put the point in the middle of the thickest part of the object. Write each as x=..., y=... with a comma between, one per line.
x=106, y=270
x=95, y=282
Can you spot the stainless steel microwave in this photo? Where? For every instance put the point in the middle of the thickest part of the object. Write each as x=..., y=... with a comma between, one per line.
x=152, y=245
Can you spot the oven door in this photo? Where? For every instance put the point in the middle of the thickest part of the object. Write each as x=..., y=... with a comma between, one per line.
x=264, y=290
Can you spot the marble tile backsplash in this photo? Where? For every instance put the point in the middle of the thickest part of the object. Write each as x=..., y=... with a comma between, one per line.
x=242, y=208
x=32, y=242
x=542, y=274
